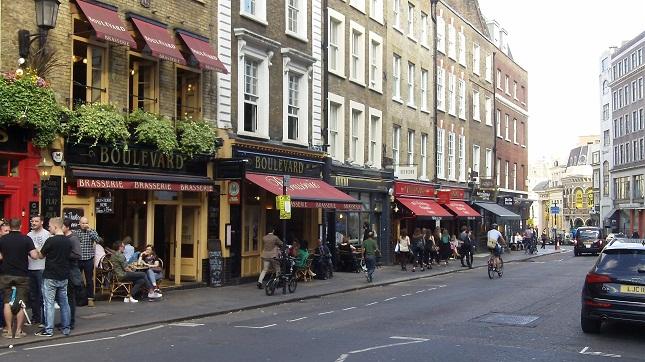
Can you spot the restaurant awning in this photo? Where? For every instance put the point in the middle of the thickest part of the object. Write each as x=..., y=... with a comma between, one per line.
x=424, y=207
x=102, y=178
x=158, y=40
x=307, y=192
x=106, y=23
x=461, y=209
x=498, y=210
x=202, y=51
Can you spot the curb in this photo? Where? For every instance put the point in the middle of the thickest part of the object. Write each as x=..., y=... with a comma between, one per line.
x=267, y=304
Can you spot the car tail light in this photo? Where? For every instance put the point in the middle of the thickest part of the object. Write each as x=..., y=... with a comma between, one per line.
x=591, y=303
x=593, y=278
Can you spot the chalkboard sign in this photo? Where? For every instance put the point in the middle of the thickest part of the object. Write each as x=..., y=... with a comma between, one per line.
x=104, y=204
x=50, y=195
x=33, y=208
x=74, y=214
x=215, y=263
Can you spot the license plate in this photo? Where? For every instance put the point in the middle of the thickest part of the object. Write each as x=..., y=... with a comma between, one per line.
x=632, y=289
x=588, y=245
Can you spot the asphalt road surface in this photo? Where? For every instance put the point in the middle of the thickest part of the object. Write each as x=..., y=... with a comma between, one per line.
x=531, y=314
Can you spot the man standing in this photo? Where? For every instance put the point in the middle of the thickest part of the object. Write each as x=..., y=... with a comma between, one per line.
x=74, y=282
x=270, y=251
x=57, y=250
x=15, y=248
x=36, y=267
x=371, y=249
x=87, y=237
x=466, y=245
x=124, y=273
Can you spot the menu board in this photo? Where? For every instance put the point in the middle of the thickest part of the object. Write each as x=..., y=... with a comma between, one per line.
x=104, y=204
x=74, y=214
x=50, y=197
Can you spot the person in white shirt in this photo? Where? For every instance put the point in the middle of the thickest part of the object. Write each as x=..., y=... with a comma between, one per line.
x=36, y=267
x=494, y=237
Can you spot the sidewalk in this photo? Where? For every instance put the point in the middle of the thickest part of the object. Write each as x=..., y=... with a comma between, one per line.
x=202, y=302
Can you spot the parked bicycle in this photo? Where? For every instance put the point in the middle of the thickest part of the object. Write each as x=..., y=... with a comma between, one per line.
x=492, y=270
x=286, y=279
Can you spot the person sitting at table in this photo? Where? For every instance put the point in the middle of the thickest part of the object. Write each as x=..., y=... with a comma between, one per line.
x=125, y=273
x=348, y=260
x=322, y=257
x=153, y=263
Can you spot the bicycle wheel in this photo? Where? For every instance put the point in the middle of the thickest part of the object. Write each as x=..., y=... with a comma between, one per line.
x=293, y=284
x=269, y=289
x=490, y=269
x=500, y=267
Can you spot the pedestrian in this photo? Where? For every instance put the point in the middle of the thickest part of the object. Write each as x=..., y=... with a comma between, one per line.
x=324, y=266
x=88, y=238
x=544, y=239
x=444, y=248
x=464, y=237
x=57, y=250
x=4, y=230
x=270, y=251
x=15, y=249
x=635, y=235
x=366, y=230
x=36, y=267
x=371, y=250
x=404, y=249
x=74, y=283
x=418, y=247
x=428, y=247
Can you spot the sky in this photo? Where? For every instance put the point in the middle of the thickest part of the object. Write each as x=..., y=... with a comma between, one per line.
x=560, y=44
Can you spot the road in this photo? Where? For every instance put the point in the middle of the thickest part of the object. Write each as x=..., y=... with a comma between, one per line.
x=531, y=314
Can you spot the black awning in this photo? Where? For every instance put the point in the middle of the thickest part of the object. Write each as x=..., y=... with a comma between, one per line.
x=498, y=210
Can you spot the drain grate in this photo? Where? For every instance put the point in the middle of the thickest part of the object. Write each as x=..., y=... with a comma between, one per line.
x=508, y=319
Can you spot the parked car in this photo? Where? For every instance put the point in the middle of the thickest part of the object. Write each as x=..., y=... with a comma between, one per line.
x=613, y=236
x=614, y=289
x=588, y=240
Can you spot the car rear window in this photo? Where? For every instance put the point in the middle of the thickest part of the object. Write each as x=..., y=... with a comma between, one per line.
x=588, y=234
x=621, y=261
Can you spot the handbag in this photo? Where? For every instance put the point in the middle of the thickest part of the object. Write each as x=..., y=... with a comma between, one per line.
x=397, y=248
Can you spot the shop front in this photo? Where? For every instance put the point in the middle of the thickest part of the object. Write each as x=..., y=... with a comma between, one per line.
x=454, y=200
x=251, y=200
x=153, y=198
x=370, y=187
x=508, y=222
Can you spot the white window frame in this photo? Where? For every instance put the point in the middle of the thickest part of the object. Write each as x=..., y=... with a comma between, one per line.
x=515, y=131
x=462, y=98
x=476, y=59
x=440, y=152
x=262, y=57
x=489, y=163
x=462, y=158
x=506, y=175
x=452, y=163
x=423, y=172
x=507, y=80
x=357, y=53
x=476, y=106
x=488, y=104
x=357, y=136
x=358, y=5
x=411, y=84
x=291, y=67
x=476, y=158
x=375, y=62
x=338, y=146
x=488, y=72
x=301, y=20
x=441, y=35
x=374, y=157
x=396, y=15
x=410, y=147
x=396, y=78
x=338, y=18
x=452, y=106
x=396, y=147
x=376, y=11
x=498, y=123
x=441, y=89
x=506, y=128
x=410, y=18
x=260, y=14
x=452, y=38
x=515, y=90
x=424, y=90
x=498, y=172
x=499, y=79
x=462, y=48
x=423, y=35
x=514, y=176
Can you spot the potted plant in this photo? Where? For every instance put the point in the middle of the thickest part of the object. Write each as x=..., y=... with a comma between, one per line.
x=195, y=137
x=97, y=123
x=153, y=130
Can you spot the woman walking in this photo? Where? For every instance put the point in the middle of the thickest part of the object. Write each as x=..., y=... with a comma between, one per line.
x=445, y=245
x=404, y=249
x=418, y=247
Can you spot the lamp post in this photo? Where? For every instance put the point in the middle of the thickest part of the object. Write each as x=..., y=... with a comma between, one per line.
x=46, y=17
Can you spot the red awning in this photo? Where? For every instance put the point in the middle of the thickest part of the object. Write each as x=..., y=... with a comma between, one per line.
x=203, y=52
x=158, y=40
x=461, y=209
x=424, y=207
x=106, y=23
x=103, y=178
x=307, y=192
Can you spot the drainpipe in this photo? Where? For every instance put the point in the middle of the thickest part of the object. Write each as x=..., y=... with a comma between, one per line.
x=494, y=70
x=434, y=121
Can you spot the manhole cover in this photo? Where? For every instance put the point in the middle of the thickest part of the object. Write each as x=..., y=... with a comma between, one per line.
x=95, y=316
x=509, y=319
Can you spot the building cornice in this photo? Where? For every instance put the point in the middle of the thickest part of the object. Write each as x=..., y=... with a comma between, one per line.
x=512, y=105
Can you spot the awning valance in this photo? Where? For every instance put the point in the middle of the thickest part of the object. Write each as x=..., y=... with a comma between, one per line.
x=202, y=51
x=158, y=40
x=106, y=23
x=307, y=192
x=461, y=209
x=424, y=207
x=101, y=178
x=498, y=210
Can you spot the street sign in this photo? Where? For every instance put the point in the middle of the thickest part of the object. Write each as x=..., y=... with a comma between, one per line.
x=285, y=180
x=283, y=203
x=555, y=210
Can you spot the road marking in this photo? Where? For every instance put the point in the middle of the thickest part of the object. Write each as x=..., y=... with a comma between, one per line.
x=297, y=319
x=323, y=313
x=342, y=357
x=349, y=308
x=411, y=338
x=406, y=295
x=442, y=286
x=601, y=354
x=186, y=324
x=367, y=305
x=68, y=343
x=431, y=289
x=141, y=331
x=584, y=350
x=8, y=352
x=257, y=327
x=420, y=291
x=388, y=299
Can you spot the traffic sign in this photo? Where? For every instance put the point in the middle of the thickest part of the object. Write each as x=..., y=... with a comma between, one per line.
x=555, y=210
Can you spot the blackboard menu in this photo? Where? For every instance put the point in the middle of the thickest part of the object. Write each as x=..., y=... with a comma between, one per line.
x=104, y=204
x=215, y=263
x=50, y=197
x=74, y=214
x=33, y=208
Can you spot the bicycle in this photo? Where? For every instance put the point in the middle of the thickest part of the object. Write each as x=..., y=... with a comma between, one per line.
x=286, y=279
x=491, y=266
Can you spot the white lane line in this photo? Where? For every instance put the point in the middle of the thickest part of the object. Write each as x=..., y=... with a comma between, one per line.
x=411, y=338
x=257, y=327
x=431, y=289
x=323, y=313
x=388, y=299
x=6, y=353
x=368, y=304
x=342, y=357
x=297, y=319
x=420, y=291
x=584, y=350
x=410, y=341
x=68, y=343
x=406, y=295
x=186, y=324
x=141, y=331
x=442, y=286
x=349, y=308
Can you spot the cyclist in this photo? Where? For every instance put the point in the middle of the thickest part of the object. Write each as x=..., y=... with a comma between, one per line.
x=494, y=237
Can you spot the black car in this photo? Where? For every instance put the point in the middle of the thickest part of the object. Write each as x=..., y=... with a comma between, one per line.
x=614, y=289
x=587, y=240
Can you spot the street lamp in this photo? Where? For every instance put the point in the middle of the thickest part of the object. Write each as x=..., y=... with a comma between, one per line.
x=44, y=169
x=46, y=16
